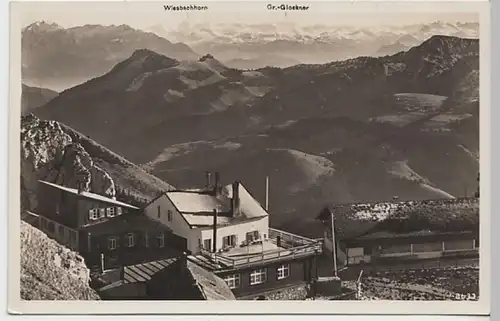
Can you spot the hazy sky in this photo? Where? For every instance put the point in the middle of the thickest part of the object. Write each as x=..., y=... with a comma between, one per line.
x=146, y=14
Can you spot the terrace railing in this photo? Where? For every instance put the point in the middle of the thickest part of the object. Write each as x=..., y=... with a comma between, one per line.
x=291, y=247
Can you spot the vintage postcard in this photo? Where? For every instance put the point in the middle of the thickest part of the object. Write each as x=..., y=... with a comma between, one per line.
x=211, y=157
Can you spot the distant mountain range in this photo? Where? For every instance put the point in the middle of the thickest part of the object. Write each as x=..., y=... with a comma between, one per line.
x=310, y=44
x=405, y=125
x=58, y=58
x=260, y=62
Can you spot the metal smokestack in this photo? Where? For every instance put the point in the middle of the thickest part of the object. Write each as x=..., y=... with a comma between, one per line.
x=215, y=231
x=235, y=201
x=217, y=183
x=208, y=176
x=267, y=193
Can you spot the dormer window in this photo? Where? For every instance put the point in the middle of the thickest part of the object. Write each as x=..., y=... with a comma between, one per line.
x=111, y=212
x=94, y=214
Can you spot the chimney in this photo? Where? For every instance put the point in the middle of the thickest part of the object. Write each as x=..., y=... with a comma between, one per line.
x=102, y=263
x=267, y=193
x=216, y=184
x=235, y=201
x=184, y=259
x=182, y=263
x=208, y=176
x=215, y=232
x=80, y=187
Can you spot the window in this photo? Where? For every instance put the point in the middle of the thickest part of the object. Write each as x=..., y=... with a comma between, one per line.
x=169, y=215
x=146, y=239
x=130, y=240
x=229, y=240
x=111, y=212
x=102, y=212
x=283, y=271
x=112, y=243
x=161, y=240
x=252, y=236
x=57, y=208
x=207, y=244
x=118, y=211
x=159, y=212
x=94, y=214
x=43, y=223
x=73, y=238
x=233, y=281
x=51, y=227
x=258, y=276
x=61, y=231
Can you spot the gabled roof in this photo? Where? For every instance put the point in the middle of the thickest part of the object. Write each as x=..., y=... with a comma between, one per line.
x=447, y=215
x=89, y=195
x=196, y=206
x=144, y=272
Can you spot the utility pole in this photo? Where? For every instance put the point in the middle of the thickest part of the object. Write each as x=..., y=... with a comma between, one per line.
x=334, y=248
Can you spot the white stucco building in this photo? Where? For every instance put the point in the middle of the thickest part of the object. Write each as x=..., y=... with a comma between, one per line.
x=191, y=213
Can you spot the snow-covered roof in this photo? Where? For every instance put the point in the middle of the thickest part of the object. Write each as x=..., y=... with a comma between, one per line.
x=196, y=202
x=445, y=215
x=196, y=206
x=89, y=195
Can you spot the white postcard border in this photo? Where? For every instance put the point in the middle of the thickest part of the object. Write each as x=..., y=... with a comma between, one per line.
x=481, y=307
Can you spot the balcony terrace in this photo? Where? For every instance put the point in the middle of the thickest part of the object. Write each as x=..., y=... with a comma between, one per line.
x=278, y=246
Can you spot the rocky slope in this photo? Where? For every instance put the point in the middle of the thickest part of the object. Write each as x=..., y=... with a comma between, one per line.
x=56, y=153
x=50, y=271
x=33, y=97
x=364, y=129
x=58, y=58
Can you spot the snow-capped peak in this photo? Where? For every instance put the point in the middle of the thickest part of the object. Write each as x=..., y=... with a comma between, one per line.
x=43, y=26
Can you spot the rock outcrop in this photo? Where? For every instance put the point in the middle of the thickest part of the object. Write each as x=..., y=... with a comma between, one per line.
x=49, y=153
x=50, y=271
x=55, y=153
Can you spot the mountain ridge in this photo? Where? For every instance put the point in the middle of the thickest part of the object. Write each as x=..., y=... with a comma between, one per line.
x=84, y=51
x=360, y=115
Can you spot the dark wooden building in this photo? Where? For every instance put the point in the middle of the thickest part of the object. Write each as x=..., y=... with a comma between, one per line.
x=172, y=278
x=106, y=232
x=395, y=232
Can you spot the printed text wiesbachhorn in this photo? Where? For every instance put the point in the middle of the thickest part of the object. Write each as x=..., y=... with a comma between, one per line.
x=190, y=7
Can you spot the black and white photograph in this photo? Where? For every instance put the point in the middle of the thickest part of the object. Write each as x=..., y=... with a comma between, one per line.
x=180, y=152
